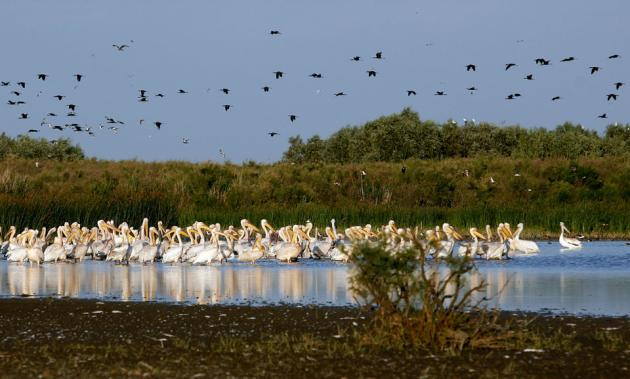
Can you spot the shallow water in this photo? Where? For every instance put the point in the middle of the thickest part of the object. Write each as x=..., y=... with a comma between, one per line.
x=593, y=280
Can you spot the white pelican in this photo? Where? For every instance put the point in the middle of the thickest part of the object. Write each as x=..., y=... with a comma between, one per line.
x=56, y=251
x=471, y=248
x=33, y=252
x=255, y=253
x=209, y=251
x=174, y=252
x=568, y=243
x=149, y=252
x=291, y=249
x=497, y=250
x=525, y=246
x=445, y=248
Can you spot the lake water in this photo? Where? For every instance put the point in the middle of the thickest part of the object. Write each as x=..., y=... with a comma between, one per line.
x=593, y=280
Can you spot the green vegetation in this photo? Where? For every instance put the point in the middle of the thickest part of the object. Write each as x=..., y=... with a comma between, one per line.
x=31, y=148
x=404, y=136
x=590, y=194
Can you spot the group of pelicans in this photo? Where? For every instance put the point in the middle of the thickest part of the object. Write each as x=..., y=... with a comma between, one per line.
x=203, y=244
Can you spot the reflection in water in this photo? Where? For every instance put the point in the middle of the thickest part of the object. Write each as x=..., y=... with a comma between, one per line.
x=595, y=281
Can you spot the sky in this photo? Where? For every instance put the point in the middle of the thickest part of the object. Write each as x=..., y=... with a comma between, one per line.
x=202, y=46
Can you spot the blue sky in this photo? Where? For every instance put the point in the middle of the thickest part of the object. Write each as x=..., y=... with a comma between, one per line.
x=202, y=46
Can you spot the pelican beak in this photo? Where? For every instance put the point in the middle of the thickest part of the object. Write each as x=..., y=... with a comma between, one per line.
x=479, y=235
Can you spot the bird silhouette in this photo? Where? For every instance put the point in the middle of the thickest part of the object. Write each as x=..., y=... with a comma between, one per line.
x=143, y=99
x=4, y=84
x=181, y=91
x=143, y=92
x=42, y=76
x=568, y=59
x=510, y=97
x=471, y=89
x=614, y=56
x=509, y=66
x=555, y=98
x=71, y=114
x=120, y=47
x=78, y=77
x=371, y=73
x=72, y=107
x=225, y=90
x=51, y=114
x=603, y=115
x=227, y=107
x=23, y=116
x=159, y=95
x=316, y=75
x=33, y=131
x=411, y=92
x=16, y=93
x=542, y=61
x=355, y=58
x=611, y=96
x=292, y=117
x=158, y=124
x=59, y=97
x=471, y=67
x=594, y=69
x=440, y=93
x=340, y=94
x=11, y=102
x=378, y=55
x=278, y=74
x=266, y=88
x=275, y=32
x=529, y=77
x=618, y=85
x=57, y=127
x=21, y=84
x=185, y=141
x=273, y=134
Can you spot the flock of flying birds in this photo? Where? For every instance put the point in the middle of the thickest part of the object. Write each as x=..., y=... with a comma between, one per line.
x=18, y=88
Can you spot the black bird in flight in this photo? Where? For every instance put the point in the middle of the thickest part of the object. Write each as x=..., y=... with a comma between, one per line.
x=159, y=95
x=158, y=124
x=292, y=117
x=542, y=61
x=273, y=134
x=22, y=84
x=42, y=76
x=23, y=116
x=120, y=47
x=612, y=96
x=471, y=67
x=72, y=107
x=355, y=58
x=143, y=99
x=11, y=102
x=614, y=56
x=227, y=107
x=225, y=90
x=594, y=69
x=143, y=92
x=33, y=130
x=266, y=88
x=509, y=66
x=568, y=59
x=59, y=97
x=510, y=97
x=555, y=98
x=340, y=94
x=52, y=114
x=275, y=32
x=471, y=89
x=440, y=93
x=378, y=55
x=603, y=115
x=411, y=92
x=181, y=91
x=16, y=93
x=278, y=74
x=4, y=84
x=529, y=77
x=71, y=114
x=371, y=73
x=618, y=85
x=57, y=127
x=78, y=77
x=316, y=75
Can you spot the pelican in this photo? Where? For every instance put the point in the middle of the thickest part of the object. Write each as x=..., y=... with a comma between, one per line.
x=255, y=253
x=525, y=246
x=471, y=248
x=291, y=249
x=497, y=250
x=174, y=253
x=148, y=252
x=56, y=251
x=568, y=243
x=34, y=253
x=210, y=251
x=445, y=248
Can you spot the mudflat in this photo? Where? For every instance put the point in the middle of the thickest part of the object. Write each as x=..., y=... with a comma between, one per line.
x=47, y=337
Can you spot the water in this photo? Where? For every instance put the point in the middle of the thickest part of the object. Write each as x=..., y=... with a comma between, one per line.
x=593, y=280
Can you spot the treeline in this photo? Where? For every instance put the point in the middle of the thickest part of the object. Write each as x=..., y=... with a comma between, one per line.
x=591, y=195
x=404, y=136
x=40, y=148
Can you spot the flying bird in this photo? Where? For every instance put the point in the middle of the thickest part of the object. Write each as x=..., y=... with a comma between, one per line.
x=471, y=67
x=618, y=85
x=51, y=114
x=22, y=84
x=316, y=75
x=471, y=89
x=266, y=88
x=594, y=69
x=273, y=134
x=568, y=59
x=510, y=65
x=411, y=92
x=42, y=76
x=529, y=77
x=542, y=61
x=225, y=90
x=33, y=130
x=275, y=32
x=158, y=124
x=143, y=92
x=555, y=98
x=227, y=107
x=185, y=141
x=614, y=56
x=120, y=47
x=59, y=97
x=278, y=74
x=72, y=107
x=23, y=116
x=181, y=91
x=371, y=73
x=340, y=94
x=355, y=58
x=612, y=96
x=16, y=93
x=378, y=55
x=78, y=77
x=4, y=84
x=71, y=114
x=159, y=95
x=603, y=115
x=292, y=117
x=440, y=93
